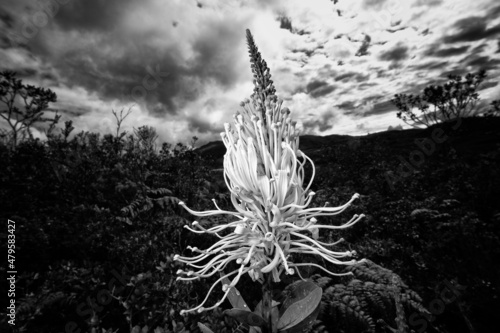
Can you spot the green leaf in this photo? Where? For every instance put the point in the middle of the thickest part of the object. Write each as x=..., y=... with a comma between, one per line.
x=254, y=329
x=234, y=296
x=204, y=329
x=295, y=292
x=245, y=317
x=301, y=313
x=274, y=313
x=305, y=325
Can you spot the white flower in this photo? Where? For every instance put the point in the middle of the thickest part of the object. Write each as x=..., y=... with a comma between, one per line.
x=264, y=170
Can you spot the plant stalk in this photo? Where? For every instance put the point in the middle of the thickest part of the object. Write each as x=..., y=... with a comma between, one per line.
x=267, y=302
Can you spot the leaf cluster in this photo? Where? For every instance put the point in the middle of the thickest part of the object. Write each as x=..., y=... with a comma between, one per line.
x=456, y=98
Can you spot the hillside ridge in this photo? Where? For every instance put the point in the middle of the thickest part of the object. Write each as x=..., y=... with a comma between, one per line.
x=471, y=135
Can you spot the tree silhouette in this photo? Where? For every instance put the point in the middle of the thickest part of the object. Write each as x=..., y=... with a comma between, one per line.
x=494, y=110
x=24, y=106
x=456, y=98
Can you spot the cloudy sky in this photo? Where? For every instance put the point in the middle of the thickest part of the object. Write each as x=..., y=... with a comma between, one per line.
x=183, y=67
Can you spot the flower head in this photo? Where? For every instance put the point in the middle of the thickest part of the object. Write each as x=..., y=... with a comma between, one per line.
x=264, y=171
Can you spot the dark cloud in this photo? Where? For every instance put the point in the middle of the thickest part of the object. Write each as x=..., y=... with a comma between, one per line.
x=363, y=49
x=26, y=72
x=455, y=70
x=323, y=123
x=483, y=62
x=347, y=105
x=285, y=23
x=471, y=29
x=396, y=23
x=91, y=15
x=6, y=19
x=433, y=51
x=393, y=30
x=362, y=78
x=48, y=76
x=305, y=51
x=372, y=98
x=373, y=4
x=344, y=76
x=153, y=81
x=431, y=65
x=282, y=70
x=493, y=13
x=300, y=32
x=319, y=88
x=322, y=91
x=478, y=49
x=358, y=77
x=327, y=71
x=200, y=125
x=216, y=48
x=381, y=73
x=72, y=110
x=381, y=108
x=136, y=72
x=366, y=85
x=315, y=85
x=398, y=53
x=488, y=84
x=428, y=3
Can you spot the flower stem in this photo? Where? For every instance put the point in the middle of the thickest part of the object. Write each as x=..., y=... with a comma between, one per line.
x=267, y=302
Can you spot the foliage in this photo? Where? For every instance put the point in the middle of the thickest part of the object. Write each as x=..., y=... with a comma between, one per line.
x=368, y=303
x=437, y=225
x=494, y=110
x=24, y=106
x=456, y=98
x=299, y=308
x=70, y=197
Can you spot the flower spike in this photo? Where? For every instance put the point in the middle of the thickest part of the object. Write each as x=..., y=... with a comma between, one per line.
x=265, y=173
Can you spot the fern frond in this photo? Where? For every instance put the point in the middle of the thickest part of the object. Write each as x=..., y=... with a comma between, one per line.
x=156, y=192
x=367, y=300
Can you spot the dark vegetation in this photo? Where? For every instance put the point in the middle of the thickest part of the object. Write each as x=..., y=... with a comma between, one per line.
x=91, y=207
x=97, y=225
x=456, y=98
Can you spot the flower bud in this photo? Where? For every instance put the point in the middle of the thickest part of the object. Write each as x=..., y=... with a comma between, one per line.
x=240, y=229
